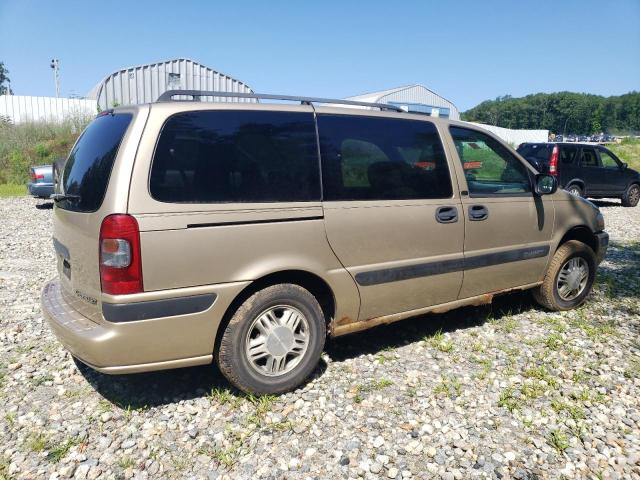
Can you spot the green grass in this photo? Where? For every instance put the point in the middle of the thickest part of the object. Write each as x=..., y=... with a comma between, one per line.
x=438, y=341
x=35, y=143
x=628, y=151
x=12, y=190
x=558, y=440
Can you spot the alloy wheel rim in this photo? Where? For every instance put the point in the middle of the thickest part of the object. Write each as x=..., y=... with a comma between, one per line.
x=634, y=195
x=277, y=340
x=573, y=278
x=574, y=191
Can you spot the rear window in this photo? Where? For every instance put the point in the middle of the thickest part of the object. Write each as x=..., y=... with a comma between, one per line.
x=236, y=156
x=541, y=152
x=87, y=170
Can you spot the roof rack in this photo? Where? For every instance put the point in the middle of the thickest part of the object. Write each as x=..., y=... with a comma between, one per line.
x=196, y=94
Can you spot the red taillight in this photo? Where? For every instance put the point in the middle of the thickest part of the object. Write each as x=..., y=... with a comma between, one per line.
x=120, y=260
x=553, y=163
x=36, y=176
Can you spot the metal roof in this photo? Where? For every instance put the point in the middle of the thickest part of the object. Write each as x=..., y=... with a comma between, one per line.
x=145, y=83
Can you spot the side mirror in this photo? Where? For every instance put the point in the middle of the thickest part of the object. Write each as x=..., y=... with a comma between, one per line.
x=546, y=184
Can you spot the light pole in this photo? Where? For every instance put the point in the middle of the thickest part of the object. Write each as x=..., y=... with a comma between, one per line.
x=564, y=130
x=55, y=65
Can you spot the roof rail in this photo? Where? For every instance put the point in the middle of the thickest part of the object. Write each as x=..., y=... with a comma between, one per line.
x=196, y=94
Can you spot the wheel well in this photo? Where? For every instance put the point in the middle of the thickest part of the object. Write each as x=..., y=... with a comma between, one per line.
x=581, y=234
x=309, y=281
x=580, y=183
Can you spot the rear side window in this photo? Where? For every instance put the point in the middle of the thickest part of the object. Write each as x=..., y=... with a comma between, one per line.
x=87, y=170
x=236, y=156
x=369, y=158
x=489, y=167
x=588, y=158
x=568, y=154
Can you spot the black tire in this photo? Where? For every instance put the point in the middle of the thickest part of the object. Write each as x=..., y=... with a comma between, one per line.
x=631, y=196
x=232, y=359
x=547, y=294
x=576, y=190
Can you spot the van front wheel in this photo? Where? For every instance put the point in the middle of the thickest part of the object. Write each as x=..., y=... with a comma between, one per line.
x=273, y=341
x=569, y=277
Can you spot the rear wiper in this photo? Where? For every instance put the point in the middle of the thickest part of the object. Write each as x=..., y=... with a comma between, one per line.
x=63, y=196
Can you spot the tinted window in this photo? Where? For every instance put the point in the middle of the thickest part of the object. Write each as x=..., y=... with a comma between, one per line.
x=488, y=165
x=568, y=154
x=540, y=153
x=607, y=160
x=588, y=158
x=87, y=170
x=236, y=156
x=368, y=158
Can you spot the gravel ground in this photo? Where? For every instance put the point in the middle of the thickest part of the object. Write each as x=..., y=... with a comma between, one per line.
x=507, y=391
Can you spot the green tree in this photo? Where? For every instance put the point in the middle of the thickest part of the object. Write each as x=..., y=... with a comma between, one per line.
x=562, y=112
x=5, y=83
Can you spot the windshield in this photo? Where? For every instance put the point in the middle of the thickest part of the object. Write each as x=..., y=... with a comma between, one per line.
x=87, y=170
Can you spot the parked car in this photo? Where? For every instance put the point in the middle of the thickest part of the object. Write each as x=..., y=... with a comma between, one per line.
x=572, y=138
x=559, y=138
x=41, y=184
x=583, y=138
x=245, y=233
x=585, y=170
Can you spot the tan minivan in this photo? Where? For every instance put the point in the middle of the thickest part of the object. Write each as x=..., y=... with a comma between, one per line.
x=246, y=232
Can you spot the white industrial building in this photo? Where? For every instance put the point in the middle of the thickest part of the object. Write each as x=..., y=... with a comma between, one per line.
x=145, y=83
x=413, y=98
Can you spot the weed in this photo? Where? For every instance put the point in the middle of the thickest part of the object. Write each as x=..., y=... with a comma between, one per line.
x=10, y=417
x=58, y=451
x=553, y=341
x=38, y=442
x=222, y=396
x=558, y=440
x=478, y=347
x=449, y=386
x=126, y=462
x=633, y=369
x=540, y=373
x=438, y=341
x=509, y=400
x=532, y=391
x=42, y=379
x=104, y=406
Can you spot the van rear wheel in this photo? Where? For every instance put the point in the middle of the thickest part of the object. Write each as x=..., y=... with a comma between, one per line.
x=273, y=341
x=569, y=277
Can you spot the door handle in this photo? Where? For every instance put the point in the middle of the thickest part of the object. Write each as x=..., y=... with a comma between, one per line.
x=447, y=214
x=478, y=213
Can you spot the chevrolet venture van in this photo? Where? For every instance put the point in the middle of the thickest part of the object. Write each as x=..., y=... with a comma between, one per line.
x=245, y=233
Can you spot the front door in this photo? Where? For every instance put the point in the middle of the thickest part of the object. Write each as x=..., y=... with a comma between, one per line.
x=507, y=227
x=391, y=212
x=615, y=180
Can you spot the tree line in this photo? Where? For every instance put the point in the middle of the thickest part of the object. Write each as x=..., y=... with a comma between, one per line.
x=563, y=112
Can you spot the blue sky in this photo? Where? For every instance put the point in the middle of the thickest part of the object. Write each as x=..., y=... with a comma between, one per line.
x=467, y=51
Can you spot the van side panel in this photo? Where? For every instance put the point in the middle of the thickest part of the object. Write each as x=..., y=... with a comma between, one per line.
x=191, y=244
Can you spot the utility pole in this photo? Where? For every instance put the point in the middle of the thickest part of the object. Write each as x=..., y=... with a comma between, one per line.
x=55, y=65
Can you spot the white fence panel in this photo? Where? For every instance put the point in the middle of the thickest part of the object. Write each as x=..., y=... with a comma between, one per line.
x=22, y=108
x=516, y=137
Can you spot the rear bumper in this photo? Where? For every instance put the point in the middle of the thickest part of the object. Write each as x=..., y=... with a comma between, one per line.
x=132, y=346
x=603, y=244
x=40, y=190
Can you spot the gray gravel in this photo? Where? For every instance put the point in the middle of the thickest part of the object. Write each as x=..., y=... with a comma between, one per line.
x=509, y=391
